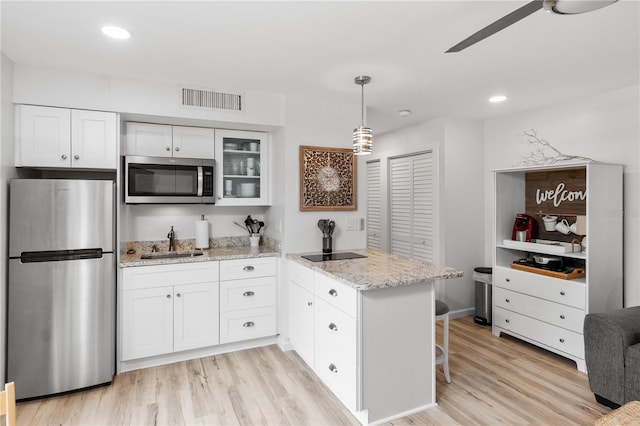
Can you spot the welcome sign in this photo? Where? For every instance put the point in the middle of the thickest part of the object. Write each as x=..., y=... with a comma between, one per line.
x=557, y=192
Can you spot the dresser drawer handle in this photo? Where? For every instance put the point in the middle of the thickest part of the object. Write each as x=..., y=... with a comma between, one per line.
x=562, y=316
x=507, y=320
x=333, y=292
x=508, y=280
x=507, y=300
x=248, y=293
x=309, y=303
x=248, y=268
x=561, y=340
x=248, y=324
x=562, y=293
x=333, y=368
x=333, y=327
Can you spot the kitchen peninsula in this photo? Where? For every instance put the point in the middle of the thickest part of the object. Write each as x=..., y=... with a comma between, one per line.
x=366, y=326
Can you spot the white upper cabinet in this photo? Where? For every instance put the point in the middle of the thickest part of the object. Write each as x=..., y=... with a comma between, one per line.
x=243, y=168
x=63, y=138
x=161, y=140
x=93, y=139
x=146, y=139
x=193, y=142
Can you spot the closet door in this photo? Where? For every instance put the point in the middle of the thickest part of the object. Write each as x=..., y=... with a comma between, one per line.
x=374, y=204
x=412, y=210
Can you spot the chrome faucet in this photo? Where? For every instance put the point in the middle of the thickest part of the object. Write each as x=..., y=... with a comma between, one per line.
x=172, y=240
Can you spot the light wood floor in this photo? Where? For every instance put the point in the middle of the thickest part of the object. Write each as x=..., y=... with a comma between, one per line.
x=494, y=381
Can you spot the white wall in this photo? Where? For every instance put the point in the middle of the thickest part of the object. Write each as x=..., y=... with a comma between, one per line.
x=604, y=127
x=314, y=123
x=161, y=99
x=7, y=171
x=458, y=146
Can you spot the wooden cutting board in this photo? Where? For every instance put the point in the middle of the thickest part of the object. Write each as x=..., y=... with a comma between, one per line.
x=576, y=273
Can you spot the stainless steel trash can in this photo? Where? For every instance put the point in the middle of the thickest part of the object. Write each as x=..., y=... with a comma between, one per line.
x=483, y=278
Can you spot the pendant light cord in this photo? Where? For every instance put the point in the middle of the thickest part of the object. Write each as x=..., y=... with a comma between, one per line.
x=362, y=105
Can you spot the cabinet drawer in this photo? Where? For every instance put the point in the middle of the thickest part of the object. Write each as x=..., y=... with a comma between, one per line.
x=163, y=275
x=238, y=269
x=335, y=332
x=249, y=324
x=549, y=288
x=547, y=334
x=339, y=375
x=554, y=313
x=247, y=294
x=336, y=294
x=301, y=275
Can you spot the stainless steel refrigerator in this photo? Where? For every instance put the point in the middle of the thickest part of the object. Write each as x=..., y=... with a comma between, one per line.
x=61, y=285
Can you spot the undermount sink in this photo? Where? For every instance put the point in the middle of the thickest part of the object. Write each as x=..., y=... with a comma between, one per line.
x=171, y=254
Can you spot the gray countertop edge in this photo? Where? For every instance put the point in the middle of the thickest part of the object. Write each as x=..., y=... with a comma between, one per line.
x=127, y=261
x=343, y=270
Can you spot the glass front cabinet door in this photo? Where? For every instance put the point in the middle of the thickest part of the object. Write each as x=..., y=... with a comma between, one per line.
x=243, y=178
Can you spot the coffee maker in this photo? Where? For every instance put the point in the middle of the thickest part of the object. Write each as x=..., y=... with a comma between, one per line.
x=525, y=228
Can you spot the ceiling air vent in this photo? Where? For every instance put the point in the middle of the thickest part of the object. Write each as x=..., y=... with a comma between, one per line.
x=210, y=100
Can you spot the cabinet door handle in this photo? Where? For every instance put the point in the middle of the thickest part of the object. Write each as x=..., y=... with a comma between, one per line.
x=168, y=296
x=248, y=268
x=309, y=303
x=508, y=280
x=507, y=300
x=561, y=340
x=248, y=293
x=249, y=324
x=507, y=320
x=333, y=327
x=177, y=148
x=333, y=368
x=333, y=292
x=64, y=156
x=166, y=148
x=76, y=157
x=562, y=316
x=562, y=293
x=178, y=295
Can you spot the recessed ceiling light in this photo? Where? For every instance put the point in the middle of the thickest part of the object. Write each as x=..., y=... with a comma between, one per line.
x=498, y=98
x=404, y=113
x=116, y=32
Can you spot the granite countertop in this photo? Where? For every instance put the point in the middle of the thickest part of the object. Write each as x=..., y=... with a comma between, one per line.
x=378, y=270
x=218, y=253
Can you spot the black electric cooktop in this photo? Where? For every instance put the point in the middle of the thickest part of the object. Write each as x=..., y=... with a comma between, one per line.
x=332, y=256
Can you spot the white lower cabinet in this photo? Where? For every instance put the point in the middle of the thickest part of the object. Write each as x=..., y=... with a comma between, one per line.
x=372, y=348
x=169, y=308
x=323, y=329
x=301, y=325
x=247, y=299
x=335, y=350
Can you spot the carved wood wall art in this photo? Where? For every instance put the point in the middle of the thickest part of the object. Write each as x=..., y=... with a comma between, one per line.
x=328, y=179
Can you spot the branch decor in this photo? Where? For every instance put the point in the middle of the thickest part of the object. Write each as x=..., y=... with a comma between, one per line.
x=544, y=153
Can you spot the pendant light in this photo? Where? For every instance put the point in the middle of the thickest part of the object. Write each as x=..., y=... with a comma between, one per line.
x=362, y=136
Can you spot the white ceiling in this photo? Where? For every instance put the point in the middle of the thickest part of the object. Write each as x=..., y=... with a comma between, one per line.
x=317, y=48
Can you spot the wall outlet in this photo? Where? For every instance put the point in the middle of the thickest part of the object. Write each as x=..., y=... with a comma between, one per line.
x=362, y=223
x=351, y=224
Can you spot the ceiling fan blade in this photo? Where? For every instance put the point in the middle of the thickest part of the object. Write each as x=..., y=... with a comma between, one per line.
x=498, y=25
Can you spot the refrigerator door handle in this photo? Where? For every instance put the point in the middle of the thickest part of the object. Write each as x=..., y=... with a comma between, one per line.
x=60, y=255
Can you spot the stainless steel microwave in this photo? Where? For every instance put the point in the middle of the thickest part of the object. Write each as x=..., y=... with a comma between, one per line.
x=157, y=180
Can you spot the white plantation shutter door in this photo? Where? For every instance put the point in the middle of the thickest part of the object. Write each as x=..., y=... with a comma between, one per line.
x=374, y=201
x=412, y=206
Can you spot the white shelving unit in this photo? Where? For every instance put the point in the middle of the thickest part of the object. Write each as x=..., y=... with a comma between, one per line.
x=549, y=311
